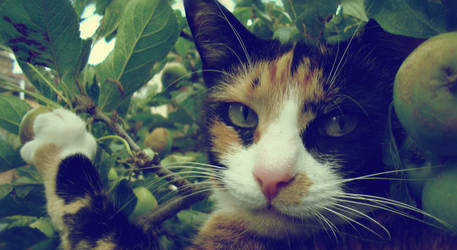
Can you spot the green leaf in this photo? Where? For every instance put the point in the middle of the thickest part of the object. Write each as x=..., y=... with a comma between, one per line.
x=243, y=14
x=147, y=31
x=12, y=109
x=310, y=16
x=5, y=189
x=34, y=204
x=182, y=47
x=101, y=5
x=18, y=220
x=43, y=32
x=417, y=18
x=80, y=5
x=84, y=56
x=111, y=19
x=48, y=244
x=9, y=158
x=355, y=8
x=38, y=82
x=18, y=238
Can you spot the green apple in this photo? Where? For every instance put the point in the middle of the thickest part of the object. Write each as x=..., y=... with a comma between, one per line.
x=439, y=196
x=425, y=94
x=26, y=126
x=173, y=74
x=420, y=165
x=145, y=201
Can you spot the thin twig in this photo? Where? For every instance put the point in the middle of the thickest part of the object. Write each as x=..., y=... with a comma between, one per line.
x=186, y=36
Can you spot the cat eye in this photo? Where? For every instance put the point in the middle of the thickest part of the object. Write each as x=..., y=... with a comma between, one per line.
x=242, y=116
x=338, y=125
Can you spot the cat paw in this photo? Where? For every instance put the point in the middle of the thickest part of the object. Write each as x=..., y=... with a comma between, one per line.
x=64, y=129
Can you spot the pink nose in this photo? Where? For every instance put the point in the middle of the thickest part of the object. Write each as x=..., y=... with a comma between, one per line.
x=271, y=181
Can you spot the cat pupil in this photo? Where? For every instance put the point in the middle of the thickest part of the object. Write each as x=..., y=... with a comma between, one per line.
x=341, y=121
x=245, y=112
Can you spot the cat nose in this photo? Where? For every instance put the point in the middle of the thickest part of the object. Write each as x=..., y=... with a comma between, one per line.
x=271, y=181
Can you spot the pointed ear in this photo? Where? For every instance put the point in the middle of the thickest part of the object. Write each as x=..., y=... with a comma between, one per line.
x=220, y=38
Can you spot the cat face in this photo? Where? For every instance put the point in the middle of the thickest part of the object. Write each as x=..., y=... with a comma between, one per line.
x=291, y=126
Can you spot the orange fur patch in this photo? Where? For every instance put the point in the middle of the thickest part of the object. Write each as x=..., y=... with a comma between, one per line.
x=226, y=232
x=224, y=138
x=294, y=192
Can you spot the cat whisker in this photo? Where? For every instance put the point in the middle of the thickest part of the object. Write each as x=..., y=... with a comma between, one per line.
x=384, y=173
x=191, y=164
x=237, y=35
x=388, y=204
x=208, y=187
x=187, y=172
x=231, y=50
x=203, y=168
x=355, y=102
x=201, y=190
x=330, y=225
x=343, y=60
x=334, y=63
x=361, y=214
x=198, y=169
x=195, y=175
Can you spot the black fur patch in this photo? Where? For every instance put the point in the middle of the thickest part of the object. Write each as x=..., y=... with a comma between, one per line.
x=76, y=178
x=101, y=219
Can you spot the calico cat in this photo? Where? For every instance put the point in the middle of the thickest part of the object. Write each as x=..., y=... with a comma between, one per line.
x=298, y=132
x=295, y=132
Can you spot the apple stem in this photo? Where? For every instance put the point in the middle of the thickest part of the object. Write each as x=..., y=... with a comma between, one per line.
x=453, y=84
x=452, y=81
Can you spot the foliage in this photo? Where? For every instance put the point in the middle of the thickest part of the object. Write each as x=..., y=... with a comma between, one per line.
x=45, y=39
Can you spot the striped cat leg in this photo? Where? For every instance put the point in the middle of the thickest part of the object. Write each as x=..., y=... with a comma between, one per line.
x=79, y=208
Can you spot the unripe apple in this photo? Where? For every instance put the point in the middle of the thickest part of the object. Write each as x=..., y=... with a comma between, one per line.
x=145, y=201
x=173, y=74
x=439, y=196
x=26, y=133
x=425, y=94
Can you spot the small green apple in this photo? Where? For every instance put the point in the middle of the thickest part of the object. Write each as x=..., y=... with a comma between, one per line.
x=173, y=74
x=145, y=201
x=439, y=196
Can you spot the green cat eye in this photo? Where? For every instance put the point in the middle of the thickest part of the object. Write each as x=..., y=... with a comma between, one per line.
x=338, y=125
x=242, y=116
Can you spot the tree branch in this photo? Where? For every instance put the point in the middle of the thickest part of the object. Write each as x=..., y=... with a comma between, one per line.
x=196, y=192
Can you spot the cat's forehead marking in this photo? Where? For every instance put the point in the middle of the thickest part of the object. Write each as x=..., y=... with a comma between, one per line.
x=269, y=81
x=268, y=85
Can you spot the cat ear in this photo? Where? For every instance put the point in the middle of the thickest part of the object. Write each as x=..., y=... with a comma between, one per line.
x=221, y=39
